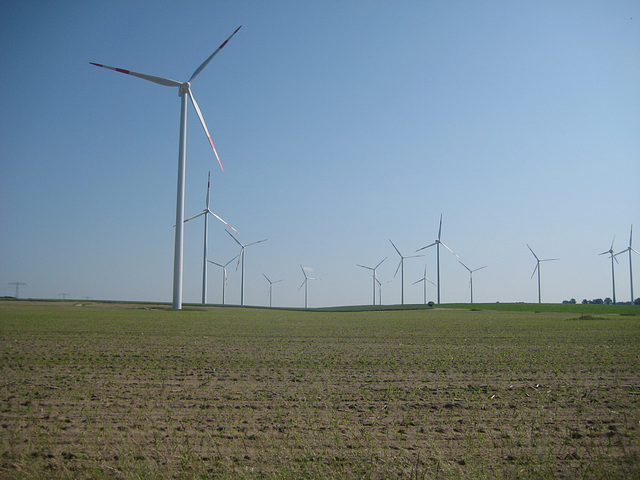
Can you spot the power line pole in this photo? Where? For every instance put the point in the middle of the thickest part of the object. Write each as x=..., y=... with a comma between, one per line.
x=63, y=295
x=17, y=285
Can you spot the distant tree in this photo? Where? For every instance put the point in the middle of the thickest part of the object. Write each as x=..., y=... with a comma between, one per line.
x=585, y=301
x=636, y=301
x=597, y=301
x=573, y=300
x=608, y=301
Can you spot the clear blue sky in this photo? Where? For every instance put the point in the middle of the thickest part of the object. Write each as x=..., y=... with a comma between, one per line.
x=340, y=125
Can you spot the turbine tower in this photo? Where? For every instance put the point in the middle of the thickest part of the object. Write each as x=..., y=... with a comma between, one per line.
x=206, y=212
x=401, y=266
x=375, y=276
x=628, y=249
x=241, y=257
x=471, y=276
x=305, y=283
x=538, y=269
x=183, y=92
x=613, y=277
x=437, y=243
x=224, y=274
x=270, y=286
x=424, y=285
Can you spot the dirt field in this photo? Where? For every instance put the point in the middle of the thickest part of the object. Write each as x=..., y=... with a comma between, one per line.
x=123, y=391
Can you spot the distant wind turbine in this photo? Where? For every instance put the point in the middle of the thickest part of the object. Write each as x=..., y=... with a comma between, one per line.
x=270, y=286
x=183, y=92
x=471, y=277
x=380, y=289
x=424, y=283
x=241, y=258
x=305, y=283
x=375, y=277
x=437, y=243
x=206, y=212
x=630, y=249
x=224, y=274
x=613, y=276
x=401, y=267
x=538, y=269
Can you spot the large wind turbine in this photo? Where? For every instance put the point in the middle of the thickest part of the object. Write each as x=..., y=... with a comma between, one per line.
x=375, y=277
x=401, y=266
x=613, y=277
x=184, y=90
x=270, y=286
x=471, y=276
x=241, y=257
x=538, y=269
x=630, y=249
x=305, y=283
x=424, y=286
x=224, y=274
x=437, y=243
x=206, y=212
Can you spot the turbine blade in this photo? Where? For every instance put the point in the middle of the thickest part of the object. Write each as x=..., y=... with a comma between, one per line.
x=418, y=281
x=231, y=260
x=368, y=268
x=209, y=211
x=630, y=235
x=464, y=265
x=480, y=268
x=440, y=228
x=303, y=282
x=532, y=252
x=431, y=245
x=534, y=271
x=206, y=62
x=394, y=246
x=253, y=243
x=267, y=278
x=240, y=257
x=394, y=275
x=236, y=240
x=221, y=266
x=208, y=188
x=204, y=125
x=380, y=263
x=152, y=78
x=195, y=216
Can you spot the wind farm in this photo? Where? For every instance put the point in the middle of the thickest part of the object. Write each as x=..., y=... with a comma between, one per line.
x=340, y=127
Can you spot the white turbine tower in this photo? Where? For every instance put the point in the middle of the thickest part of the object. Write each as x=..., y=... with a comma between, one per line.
x=380, y=289
x=613, y=277
x=424, y=286
x=241, y=258
x=206, y=212
x=224, y=274
x=401, y=266
x=630, y=249
x=270, y=286
x=471, y=276
x=375, y=277
x=437, y=243
x=184, y=90
x=538, y=269
x=305, y=284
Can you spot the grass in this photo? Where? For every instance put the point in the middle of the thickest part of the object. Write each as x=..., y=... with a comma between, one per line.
x=121, y=390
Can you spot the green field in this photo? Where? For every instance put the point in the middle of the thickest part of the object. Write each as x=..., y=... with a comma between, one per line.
x=117, y=390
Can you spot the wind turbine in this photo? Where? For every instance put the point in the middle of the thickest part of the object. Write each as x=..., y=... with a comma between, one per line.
x=380, y=289
x=437, y=243
x=224, y=274
x=270, y=286
x=401, y=265
x=241, y=257
x=471, y=276
x=206, y=212
x=375, y=277
x=538, y=269
x=424, y=280
x=613, y=277
x=630, y=249
x=305, y=283
x=184, y=90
